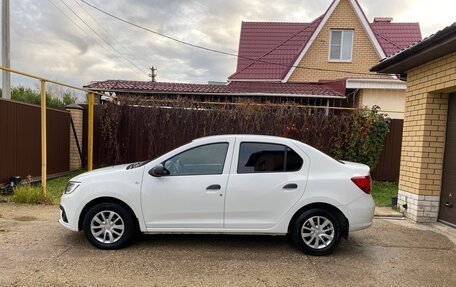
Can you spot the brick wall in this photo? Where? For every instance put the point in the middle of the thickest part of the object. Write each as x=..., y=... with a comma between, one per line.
x=77, y=115
x=423, y=141
x=364, y=54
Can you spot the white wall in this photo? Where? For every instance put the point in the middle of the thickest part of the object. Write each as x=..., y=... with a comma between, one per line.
x=387, y=100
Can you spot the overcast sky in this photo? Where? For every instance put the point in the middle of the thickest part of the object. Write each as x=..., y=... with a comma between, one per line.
x=46, y=43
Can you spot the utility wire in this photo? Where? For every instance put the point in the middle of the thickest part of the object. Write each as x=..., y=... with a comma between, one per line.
x=84, y=31
x=77, y=25
x=107, y=33
x=215, y=50
x=102, y=38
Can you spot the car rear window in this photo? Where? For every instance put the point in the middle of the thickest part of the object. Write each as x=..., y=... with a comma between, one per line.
x=267, y=157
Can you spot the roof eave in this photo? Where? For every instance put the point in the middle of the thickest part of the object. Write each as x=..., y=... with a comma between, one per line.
x=220, y=94
x=436, y=46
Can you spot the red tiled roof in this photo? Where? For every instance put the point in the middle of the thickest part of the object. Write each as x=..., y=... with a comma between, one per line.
x=276, y=44
x=394, y=37
x=240, y=88
x=281, y=43
x=438, y=42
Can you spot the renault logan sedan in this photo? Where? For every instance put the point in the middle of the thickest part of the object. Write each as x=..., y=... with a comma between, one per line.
x=234, y=184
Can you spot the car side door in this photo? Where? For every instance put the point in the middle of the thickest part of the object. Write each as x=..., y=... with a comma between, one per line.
x=267, y=179
x=192, y=192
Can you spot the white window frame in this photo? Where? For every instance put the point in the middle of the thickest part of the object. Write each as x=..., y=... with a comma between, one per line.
x=341, y=45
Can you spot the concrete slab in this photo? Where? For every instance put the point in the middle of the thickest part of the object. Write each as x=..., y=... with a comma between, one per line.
x=385, y=212
x=37, y=251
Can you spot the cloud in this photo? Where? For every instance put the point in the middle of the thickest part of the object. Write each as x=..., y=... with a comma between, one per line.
x=46, y=43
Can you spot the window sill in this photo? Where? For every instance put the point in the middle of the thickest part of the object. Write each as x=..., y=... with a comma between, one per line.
x=340, y=61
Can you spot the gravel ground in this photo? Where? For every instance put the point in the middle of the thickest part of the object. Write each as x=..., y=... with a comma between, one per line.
x=37, y=251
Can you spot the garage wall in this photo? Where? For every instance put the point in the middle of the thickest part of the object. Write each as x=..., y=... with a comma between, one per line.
x=424, y=137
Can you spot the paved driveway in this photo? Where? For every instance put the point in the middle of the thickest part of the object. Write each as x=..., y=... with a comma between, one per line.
x=35, y=251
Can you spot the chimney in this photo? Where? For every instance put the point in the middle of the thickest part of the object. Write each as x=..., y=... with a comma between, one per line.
x=383, y=19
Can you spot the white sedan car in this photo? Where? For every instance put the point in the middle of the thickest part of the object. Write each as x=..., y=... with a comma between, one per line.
x=233, y=184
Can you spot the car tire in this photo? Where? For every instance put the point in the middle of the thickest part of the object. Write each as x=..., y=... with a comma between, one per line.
x=316, y=232
x=109, y=226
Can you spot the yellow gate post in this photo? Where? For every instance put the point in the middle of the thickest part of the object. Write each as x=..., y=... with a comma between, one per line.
x=91, y=100
x=91, y=95
x=43, y=137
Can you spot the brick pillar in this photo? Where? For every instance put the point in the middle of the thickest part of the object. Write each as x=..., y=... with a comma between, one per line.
x=77, y=115
x=423, y=142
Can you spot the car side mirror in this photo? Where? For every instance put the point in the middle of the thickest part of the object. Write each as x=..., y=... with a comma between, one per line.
x=157, y=171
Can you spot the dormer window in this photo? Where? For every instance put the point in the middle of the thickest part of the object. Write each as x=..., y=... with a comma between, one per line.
x=341, y=46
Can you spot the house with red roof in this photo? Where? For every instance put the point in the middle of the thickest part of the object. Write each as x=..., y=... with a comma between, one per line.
x=325, y=62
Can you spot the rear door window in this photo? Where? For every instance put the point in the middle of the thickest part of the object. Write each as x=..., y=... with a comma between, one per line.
x=267, y=157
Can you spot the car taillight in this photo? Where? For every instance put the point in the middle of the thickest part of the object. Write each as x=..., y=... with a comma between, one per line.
x=363, y=182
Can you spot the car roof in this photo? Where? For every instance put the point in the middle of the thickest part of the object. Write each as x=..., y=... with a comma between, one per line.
x=252, y=136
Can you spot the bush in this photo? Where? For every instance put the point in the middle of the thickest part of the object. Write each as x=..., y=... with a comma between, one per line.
x=365, y=138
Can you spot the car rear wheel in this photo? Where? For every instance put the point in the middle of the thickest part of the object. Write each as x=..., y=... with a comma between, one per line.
x=109, y=226
x=316, y=232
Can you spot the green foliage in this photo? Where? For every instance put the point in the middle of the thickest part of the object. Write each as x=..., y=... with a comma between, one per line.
x=28, y=193
x=68, y=98
x=383, y=191
x=366, y=137
x=32, y=192
x=28, y=95
x=25, y=95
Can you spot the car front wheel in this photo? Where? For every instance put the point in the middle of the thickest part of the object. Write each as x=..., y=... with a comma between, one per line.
x=108, y=226
x=316, y=232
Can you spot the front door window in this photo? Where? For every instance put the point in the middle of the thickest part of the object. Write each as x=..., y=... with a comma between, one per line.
x=202, y=160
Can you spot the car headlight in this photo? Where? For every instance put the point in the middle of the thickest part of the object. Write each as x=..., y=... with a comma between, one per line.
x=71, y=186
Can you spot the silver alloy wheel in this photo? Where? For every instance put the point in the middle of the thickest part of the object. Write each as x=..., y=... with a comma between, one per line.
x=107, y=226
x=317, y=232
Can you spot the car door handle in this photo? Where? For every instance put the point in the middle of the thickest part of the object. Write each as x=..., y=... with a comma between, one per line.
x=290, y=186
x=214, y=187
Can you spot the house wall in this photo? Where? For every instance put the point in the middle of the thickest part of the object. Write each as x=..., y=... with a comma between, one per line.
x=387, y=100
x=424, y=133
x=358, y=99
x=363, y=58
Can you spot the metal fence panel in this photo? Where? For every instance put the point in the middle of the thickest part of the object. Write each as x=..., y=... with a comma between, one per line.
x=390, y=160
x=20, y=142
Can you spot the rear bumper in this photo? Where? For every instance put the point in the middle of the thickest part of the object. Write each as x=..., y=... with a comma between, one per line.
x=360, y=213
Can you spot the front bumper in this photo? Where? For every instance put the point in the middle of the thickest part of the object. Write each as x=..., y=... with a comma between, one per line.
x=69, y=218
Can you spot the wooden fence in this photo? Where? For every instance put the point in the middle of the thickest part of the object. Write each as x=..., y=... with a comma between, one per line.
x=133, y=143
x=20, y=142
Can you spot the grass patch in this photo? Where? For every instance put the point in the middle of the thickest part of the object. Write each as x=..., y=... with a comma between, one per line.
x=382, y=192
x=32, y=192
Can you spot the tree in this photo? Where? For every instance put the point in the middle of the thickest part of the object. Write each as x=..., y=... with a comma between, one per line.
x=27, y=95
x=68, y=98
